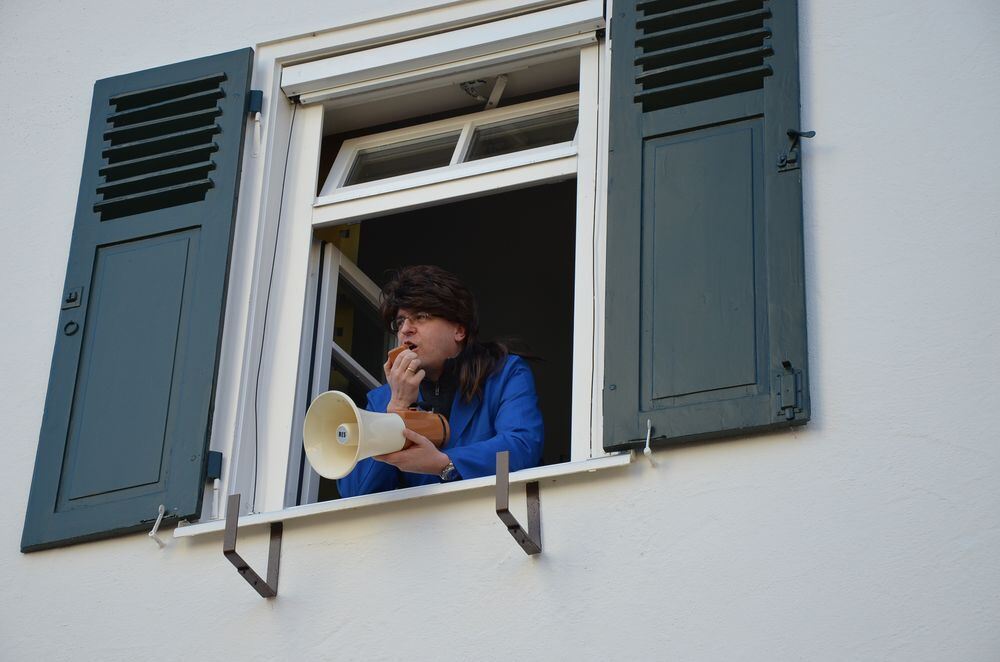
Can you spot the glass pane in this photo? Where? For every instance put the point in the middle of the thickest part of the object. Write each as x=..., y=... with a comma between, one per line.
x=359, y=331
x=402, y=158
x=537, y=131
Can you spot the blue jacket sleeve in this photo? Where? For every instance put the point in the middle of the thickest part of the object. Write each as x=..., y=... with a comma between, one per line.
x=370, y=475
x=518, y=426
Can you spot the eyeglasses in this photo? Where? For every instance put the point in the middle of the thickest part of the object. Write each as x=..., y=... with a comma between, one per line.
x=416, y=319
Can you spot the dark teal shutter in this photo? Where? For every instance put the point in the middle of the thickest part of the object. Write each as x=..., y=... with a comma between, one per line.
x=705, y=297
x=129, y=403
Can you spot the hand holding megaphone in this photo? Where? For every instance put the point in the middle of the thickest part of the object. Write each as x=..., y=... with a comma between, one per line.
x=337, y=435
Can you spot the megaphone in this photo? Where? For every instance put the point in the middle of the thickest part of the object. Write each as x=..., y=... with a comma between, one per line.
x=337, y=435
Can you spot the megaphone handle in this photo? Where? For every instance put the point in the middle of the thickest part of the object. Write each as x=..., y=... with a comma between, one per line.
x=433, y=426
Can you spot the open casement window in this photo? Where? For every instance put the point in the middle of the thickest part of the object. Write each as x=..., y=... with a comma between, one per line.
x=705, y=308
x=129, y=403
x=351, y=343
x=511, y=239
x=475, y=169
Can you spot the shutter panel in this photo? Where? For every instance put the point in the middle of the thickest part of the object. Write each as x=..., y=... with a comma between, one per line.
x=705, y=327
x=129, y=402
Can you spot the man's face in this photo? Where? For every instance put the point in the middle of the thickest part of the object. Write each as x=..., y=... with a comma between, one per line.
x=434, y=339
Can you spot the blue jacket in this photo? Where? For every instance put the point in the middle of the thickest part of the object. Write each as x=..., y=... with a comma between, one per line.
x=504, y=417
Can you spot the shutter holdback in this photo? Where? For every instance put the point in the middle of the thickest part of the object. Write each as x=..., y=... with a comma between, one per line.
x=790, y=160
x=647, y=451
x=156, y=527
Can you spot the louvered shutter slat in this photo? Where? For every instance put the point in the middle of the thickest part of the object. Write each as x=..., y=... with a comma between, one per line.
x=157, y=145
x=175, y=106
x=702, y=67
x=153, y=162
x=702, y=52
x=702, y=48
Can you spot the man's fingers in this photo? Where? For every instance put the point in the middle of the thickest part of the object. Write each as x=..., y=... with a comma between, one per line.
x=416, y=437
x=408, y=362
x=412, y=438
x=391, y=458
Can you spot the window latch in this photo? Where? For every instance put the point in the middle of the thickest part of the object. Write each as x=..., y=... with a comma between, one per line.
x=72, y=298
x=788, y=388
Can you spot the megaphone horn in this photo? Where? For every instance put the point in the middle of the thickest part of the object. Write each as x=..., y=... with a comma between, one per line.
x=337, y=435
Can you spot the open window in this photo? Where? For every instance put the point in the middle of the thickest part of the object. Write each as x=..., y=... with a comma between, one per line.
x=477, y=176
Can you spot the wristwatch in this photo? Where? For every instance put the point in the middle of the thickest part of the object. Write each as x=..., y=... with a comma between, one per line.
x=449, y=472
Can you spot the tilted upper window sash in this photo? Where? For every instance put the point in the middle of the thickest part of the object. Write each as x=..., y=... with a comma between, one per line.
x=443, y=150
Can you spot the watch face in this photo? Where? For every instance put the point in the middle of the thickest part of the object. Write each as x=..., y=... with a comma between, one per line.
x=448, y=472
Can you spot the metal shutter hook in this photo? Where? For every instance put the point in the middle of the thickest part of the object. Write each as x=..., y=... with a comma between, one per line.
x=156, y=527
x=647, y=451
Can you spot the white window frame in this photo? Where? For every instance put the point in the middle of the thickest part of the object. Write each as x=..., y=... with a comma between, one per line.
x=461, y=181
x=260, y=388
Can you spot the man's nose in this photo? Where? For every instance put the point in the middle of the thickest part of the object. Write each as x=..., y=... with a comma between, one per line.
x=408, y=327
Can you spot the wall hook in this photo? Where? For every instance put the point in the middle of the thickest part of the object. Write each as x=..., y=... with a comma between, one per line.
x=156, y=527
x=267, y=589
x=530, y=540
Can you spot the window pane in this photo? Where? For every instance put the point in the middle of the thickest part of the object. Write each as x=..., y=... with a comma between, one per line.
x=537, y=131
x=402, y=158
x=359, y=331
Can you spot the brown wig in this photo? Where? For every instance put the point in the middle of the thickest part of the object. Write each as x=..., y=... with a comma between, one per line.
x=433, y=290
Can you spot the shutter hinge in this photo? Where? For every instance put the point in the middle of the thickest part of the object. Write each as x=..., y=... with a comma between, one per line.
x=788, y=387
x=213, y=475
x=214, y=468
x=255, y=102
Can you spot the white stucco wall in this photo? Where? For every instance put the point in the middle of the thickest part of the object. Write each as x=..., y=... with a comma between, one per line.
x=871, y=534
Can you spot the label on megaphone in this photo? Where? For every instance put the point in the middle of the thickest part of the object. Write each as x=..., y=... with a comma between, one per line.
x=347, y=434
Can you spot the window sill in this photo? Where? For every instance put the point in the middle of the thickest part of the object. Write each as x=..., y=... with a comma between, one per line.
x=295, y=512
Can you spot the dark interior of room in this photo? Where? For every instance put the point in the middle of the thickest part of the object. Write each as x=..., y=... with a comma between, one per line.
x=515, y=251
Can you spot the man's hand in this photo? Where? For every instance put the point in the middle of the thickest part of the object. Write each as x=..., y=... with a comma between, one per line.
x=404, y=377
x=422, y=457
